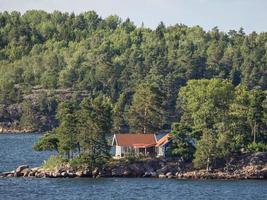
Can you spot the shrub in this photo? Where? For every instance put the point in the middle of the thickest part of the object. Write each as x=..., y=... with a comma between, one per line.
x=79, y=161
x=131, y=159
x=53, y=162
x=257, y=147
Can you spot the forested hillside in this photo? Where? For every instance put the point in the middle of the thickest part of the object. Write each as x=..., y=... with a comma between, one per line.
x=46, y=58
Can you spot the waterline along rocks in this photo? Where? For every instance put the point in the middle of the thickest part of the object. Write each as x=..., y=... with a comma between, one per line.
x=252, y=166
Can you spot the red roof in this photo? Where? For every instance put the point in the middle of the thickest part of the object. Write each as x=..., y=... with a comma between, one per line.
x=135, y=140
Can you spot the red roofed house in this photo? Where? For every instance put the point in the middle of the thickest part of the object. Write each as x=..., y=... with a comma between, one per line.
x=136, y=144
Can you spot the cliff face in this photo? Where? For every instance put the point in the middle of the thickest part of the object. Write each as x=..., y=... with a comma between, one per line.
x=15, y=119
x=36, y=111
x=9, y=116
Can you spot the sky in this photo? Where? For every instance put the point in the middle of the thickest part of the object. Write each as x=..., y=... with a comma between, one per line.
x=225, y=14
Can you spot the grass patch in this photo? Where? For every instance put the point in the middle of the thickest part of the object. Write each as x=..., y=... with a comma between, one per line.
x=53, y=162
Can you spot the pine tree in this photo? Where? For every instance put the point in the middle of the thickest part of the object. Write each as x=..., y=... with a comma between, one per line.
x=119, y=117
x=146, y=112
x=256, y=113
x=67, y=131
x=206, y=151
x=95, y=124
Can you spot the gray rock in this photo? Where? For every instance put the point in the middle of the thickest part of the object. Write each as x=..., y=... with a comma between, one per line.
x=163, y=170
x=35, y=169
x=162, y=176
x=40, y=175
x=105, y=173
x=17, y=174
x=25, y=172
x=126, y=173
x=117, y=172
x=10, y=175
x=87, y=173
x=32, y=173
x=71, y=175
x=48, y=174
x=20, y=168
x=169, y=175
x=64, y=174
x=79, y=173
x=153, y=174
x=6, y=174
x=147, y=174
x=95, y=172
x=56, y=174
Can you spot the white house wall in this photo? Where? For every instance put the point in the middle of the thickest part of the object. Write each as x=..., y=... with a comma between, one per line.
x=118, y=151
x=161, y=151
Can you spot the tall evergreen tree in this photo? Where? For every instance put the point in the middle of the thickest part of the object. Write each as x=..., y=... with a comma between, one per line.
x=67, y=131
x=95, y=124
x=145, y=113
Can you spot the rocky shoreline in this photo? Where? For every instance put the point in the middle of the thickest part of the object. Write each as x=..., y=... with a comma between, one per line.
x=254, y=167
x=15, y=131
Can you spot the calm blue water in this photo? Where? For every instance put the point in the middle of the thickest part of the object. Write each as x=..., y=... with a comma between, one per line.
x=16, y=150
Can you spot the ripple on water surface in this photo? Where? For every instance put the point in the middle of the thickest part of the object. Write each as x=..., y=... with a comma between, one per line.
x=130, y=188
x=17, y=149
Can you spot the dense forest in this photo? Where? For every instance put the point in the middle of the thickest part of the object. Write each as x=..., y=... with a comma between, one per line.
x=81, y=71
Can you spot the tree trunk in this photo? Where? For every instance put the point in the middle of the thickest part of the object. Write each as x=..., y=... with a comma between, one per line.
x=254, y=132
x=208, y=165
x=68, y=154
x=79, y=148
x=145, y=115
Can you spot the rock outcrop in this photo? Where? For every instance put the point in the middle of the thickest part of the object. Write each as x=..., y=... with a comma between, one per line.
x=247, y=166
x=11, y=114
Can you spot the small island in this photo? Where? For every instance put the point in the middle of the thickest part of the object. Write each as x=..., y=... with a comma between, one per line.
x=208, y=141
x=114, y=99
